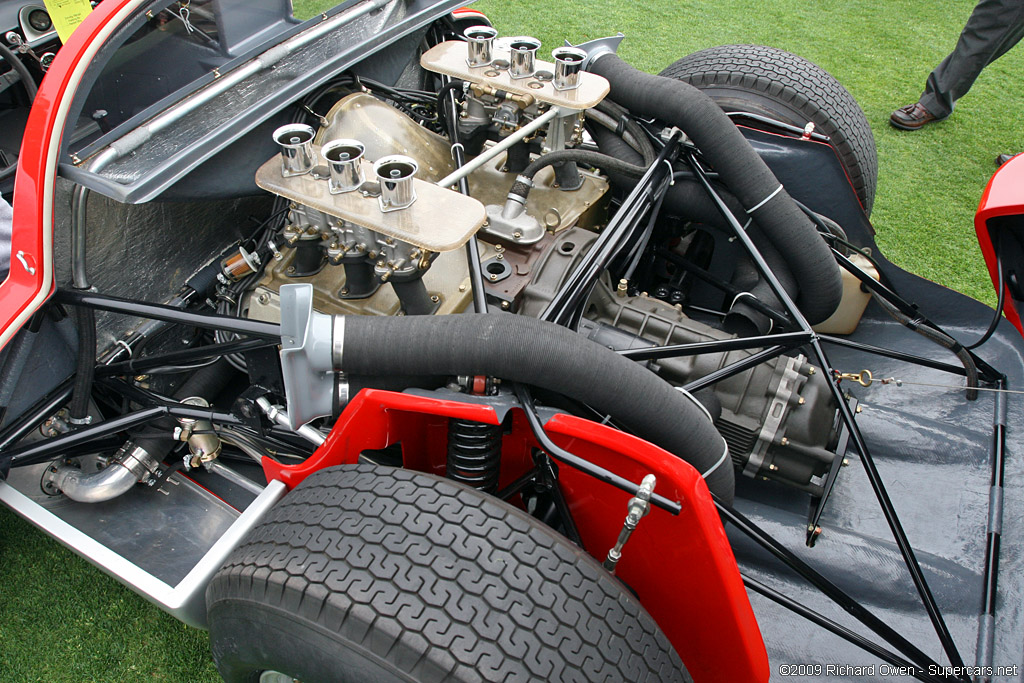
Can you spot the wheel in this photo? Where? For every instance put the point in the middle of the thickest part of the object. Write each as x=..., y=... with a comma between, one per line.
x=365, y=573
x=778, y=84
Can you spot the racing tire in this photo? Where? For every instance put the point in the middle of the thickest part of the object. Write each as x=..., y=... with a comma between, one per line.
x=364, y=573
x=783, y=86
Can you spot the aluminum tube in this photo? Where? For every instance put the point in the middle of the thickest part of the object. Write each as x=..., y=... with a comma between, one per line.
x=79, y=202
x=94, y=487
x=485, y=156
x=234, y=477
x=280, y=416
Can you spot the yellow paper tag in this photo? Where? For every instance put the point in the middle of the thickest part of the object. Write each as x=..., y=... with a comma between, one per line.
x=66, y=15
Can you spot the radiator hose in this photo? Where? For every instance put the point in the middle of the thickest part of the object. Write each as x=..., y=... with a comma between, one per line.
x=138, y=457
x=542, y=354
x=741, y=169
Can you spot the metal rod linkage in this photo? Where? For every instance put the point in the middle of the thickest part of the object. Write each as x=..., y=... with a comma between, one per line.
x=476, y=272
x=488, y=154
x=564, y=456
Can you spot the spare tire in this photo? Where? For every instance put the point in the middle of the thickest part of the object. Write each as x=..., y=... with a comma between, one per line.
x=372, y=573
x=783, y=86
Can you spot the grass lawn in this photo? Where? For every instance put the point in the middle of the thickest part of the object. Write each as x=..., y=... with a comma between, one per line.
x=62, y=620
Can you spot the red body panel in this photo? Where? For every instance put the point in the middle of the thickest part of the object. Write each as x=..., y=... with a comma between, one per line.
x=1004, y=196
x=682, y=567
x=33, y=201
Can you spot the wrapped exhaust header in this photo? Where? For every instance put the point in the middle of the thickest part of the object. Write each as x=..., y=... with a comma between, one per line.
x=741, y=169
x=316, y=347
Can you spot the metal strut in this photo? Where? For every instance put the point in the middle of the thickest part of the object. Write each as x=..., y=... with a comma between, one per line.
x=875, y=479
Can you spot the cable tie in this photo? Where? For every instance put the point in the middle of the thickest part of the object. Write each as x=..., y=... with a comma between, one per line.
x=765, y=200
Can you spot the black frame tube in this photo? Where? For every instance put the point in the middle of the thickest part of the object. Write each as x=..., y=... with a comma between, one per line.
x=565, y=306
x=823, y=584
x=737, y=367
x=988, y=373
x=836, y=628
x=790, y=339
x=198, y=353
x=896, y=355
x=143, y=309
x=874, y=478
x=42, y=409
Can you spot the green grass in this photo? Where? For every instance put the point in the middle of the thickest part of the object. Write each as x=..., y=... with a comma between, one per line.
x=62, y=620
x=929, y=182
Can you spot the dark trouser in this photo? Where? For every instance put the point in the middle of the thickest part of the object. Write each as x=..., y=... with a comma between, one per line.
x=993, y=28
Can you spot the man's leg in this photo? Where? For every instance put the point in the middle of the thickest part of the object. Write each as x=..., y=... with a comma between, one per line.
x=994, y=27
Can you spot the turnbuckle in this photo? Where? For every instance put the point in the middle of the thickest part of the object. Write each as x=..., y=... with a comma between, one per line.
x=638, y=508
x=863, y=377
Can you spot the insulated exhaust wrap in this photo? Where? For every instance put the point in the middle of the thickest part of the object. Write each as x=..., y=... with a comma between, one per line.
x=743, y=172
x=542, y=354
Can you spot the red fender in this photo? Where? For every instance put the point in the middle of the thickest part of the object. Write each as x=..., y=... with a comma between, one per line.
x=681, y=567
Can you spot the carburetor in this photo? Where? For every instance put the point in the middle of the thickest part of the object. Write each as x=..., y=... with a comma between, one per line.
x=377, y=221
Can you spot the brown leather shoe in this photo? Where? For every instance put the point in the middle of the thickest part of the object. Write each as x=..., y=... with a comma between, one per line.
x=911, y=117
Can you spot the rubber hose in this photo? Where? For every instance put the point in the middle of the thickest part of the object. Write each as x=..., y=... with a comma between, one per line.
x=206, y=382
x=545, y=355
x=582, y=156
x=743, y=320
x=742, y=170
x=85, y=321
x=688, y=199
x=627, y=136
x=23, y=72
x=630, y=126
x=685, y=198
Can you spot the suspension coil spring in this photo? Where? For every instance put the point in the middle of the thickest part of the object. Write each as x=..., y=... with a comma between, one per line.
x=474, y=454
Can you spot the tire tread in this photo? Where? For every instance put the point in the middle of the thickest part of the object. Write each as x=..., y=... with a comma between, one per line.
x=442, y=582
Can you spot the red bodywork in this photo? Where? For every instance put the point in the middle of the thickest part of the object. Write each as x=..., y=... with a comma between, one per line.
x=31, y=277
x=1004, y=196
x=682, y=567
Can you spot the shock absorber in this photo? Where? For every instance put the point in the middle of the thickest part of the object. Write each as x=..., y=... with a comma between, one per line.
x=474, y=454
